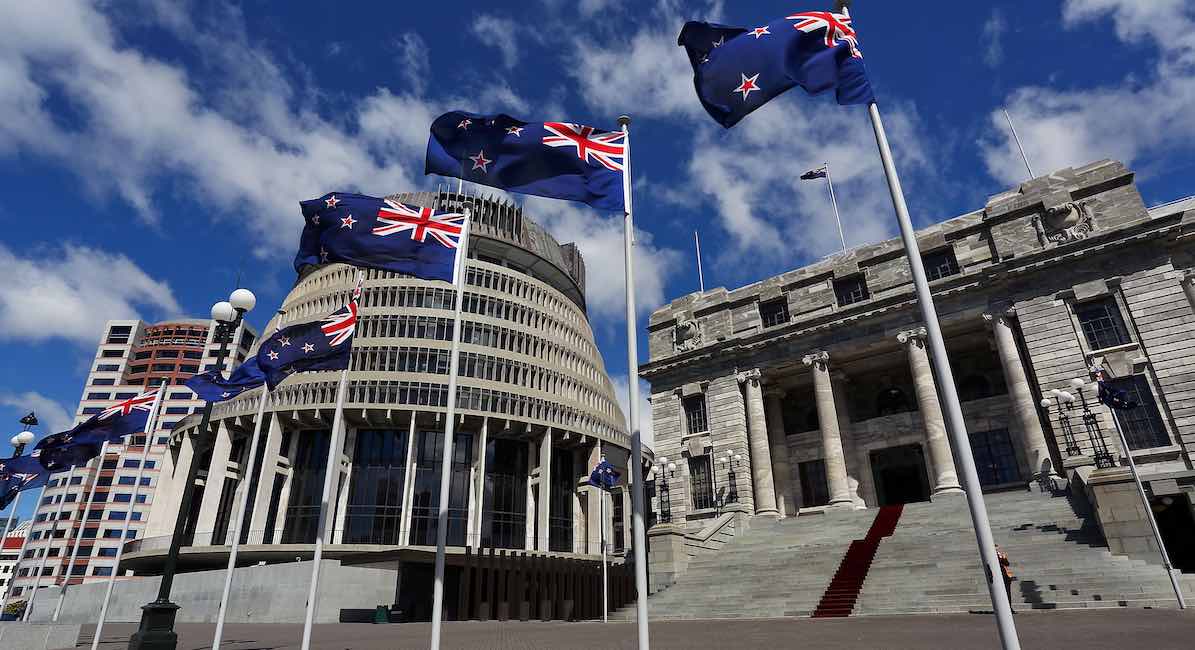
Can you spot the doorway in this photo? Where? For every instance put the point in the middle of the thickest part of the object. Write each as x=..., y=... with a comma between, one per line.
x=900, y=475
x=1177, y=526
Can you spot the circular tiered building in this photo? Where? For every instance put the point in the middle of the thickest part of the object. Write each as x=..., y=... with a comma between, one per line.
x=536, y=411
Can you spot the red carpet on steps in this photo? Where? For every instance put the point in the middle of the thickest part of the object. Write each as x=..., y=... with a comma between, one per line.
x=839, y=599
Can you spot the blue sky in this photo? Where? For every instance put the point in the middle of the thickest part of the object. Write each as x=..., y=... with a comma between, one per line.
x=150, y=152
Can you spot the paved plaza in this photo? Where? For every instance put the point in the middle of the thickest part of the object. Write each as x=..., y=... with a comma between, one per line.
x=1094, y=630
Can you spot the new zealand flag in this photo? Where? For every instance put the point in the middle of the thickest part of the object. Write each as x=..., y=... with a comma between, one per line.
x=604, y=476
x=380, y=234
x=211, y=386
x=737, y=70
x=79, y=445
x=559, y=160
x=1115, y=398
x=321, y=345
x=18, y=474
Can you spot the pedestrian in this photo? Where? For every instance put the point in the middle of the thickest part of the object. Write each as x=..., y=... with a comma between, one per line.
x=1006, y=573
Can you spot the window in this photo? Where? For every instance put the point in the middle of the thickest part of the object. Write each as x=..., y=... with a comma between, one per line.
x=76, y=480
x=132, y=462
x=1142, y=426
x=701, y=483
x=940, y=264
x=696, y=418
x=103, y=382
x=142, y=355
x=182, y=395
x=127, y=480
x=104, y=480
x=167, y=354
x=90, y=533
x=117, y=515
x=107, y=552
x=177, y=410
x=138, y=369
x=125, y=395
x=1102, y=323
x=774, y=312
x=92, y=410
x=815, y=491
x=98, y=395
x=189, y=368
x=102, y=571
x=851, y=290
x=150, y=464
x=163, y=367
x=192, y=354
x=118, y=334
x=123, y=497
x=112, y=354
x=109, y=463
x=107, y=367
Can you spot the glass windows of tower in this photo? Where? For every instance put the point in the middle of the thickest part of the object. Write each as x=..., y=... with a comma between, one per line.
x=504, y=516
x=307, y=482
x=560, y=508
x=374, y=513
x=425, y=503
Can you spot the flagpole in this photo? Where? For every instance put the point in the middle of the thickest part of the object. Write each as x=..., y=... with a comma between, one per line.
x=1019, y=145
x=79, y=534
x=327, y=501
x=700, y=275
x=240, y=517
x=602, y=528
x=42, y=565
x=151, y=425
x=636, y=462
x=449, y=431
x=21, y=553
x=955, y=424
x=1153, y=523
x=834, y=202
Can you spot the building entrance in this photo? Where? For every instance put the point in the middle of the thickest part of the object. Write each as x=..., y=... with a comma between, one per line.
x=1175, y=522
x=900, y=475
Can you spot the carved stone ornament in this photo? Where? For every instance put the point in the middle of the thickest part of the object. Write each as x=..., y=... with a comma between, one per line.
x=686, y=336
x=1062, y=224
x=915, y=335
x=821, y=358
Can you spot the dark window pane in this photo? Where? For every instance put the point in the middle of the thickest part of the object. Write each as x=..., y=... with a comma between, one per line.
x=560, y=508
x=307, y=483
x=774, y=312
x=851, y=290
x=1102, y=323
x=940, y=264
x=814, y=489
x=696, y=417
x=425, y=500
x=504, y=516
x=701, y=483
x=1142, y=426
x=376, y=489
x=995, y=458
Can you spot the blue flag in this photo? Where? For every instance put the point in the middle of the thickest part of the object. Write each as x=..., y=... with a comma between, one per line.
x=1115, y=398
x=82, y=443
x=379, y=234
x=18, y=474
x=211, y=386
x=604, y=475
x=737, y=70
x=321, y=345
x=559, y=160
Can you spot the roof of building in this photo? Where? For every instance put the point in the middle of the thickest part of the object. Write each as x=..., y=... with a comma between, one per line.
x=16, y=536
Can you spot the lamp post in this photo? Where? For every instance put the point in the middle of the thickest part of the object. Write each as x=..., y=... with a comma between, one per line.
x=665, y=469
x=156, y=631
x=19, y=442
x=728, y=462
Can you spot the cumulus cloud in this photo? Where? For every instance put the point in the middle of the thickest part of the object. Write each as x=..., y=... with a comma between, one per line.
x=53, y=417
x=69, y=293
x=622, y=391
x=500, y=33
x=1061, y=128
x=993, y=39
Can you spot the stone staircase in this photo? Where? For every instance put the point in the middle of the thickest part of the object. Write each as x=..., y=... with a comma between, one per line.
x=929, y=564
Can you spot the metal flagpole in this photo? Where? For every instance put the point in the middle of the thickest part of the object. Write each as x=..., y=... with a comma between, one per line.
x=955, y=424
x=240, y=517
x=449, y=432
x=834, y=202
x=1019, y=145
x=1153, y=523
x=151, y=425
x=79, y=534
x=21, y=553
x=46, y=555
x=602, y=534
x=700, y=275
x=636, y=462
x=328, y=500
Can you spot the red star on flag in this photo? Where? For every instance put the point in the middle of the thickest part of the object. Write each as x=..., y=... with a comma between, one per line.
x=464, y=124
x=760, y=31
x=516, y=131
x=348, y=222
x=332, y=202
x=748, y=86
x=480, y=161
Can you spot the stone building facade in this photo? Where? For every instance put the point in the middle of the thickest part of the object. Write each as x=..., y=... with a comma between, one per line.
x=814, y=389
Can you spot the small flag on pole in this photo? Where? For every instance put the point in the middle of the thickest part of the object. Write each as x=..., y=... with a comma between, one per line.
x=737, y=70
x=815, y=174
x=559, y=160
x=604, y=476
x=82, y=443
x=211, y=386
x=380, y=234
x=320, y=345
x=19, y=474
x=1114, y=397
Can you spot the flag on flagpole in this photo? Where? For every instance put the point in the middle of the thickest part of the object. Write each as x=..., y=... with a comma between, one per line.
x=737, y=70
x=815, y=174
x=1114, y=398
x=558, y=160
x=82, y=443
x=325, y=344
x=19, y=474
x=211, y=386
x=604, y=476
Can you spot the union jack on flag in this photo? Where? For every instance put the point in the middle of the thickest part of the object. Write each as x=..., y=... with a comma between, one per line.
x=142, y=402
x=837, y=26
x=342, y=323
x=444, y=227
x=606, y=148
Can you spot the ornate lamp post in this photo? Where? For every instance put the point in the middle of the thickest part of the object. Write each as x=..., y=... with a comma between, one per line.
x=665, y=469
x=728, y=462
x=19, y=442
x=156, y=631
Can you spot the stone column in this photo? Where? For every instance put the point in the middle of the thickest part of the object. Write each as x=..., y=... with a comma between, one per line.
x=1024, y=407
x=544, y=505
x=213, y=486
x=827, y=416
x=762, y=485
x=936, y=440
x=781, y=469
x=1189, y=288
x=854, y=480
x=272, y=429
x=344, y=467
x=477, y=486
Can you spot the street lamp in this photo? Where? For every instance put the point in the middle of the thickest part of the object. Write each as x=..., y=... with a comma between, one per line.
x=19, y=442
x=665, y=469
x=156, y=631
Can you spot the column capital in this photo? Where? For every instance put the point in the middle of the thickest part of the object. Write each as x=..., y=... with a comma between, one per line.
x=1189, y=279
x=915, y=335
x=996, y=315
x=820, y=357
x=751, y=375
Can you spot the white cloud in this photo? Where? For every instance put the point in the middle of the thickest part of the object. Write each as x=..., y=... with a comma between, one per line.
x=71, y=292
x=993, y=39
x=52, y=416
x=501, y=33
x=1061, y=128
x=622, y=391
x=413, y=62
